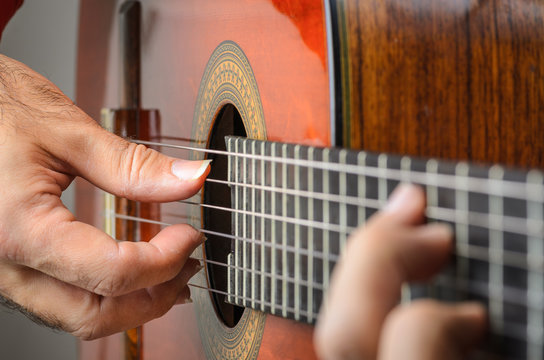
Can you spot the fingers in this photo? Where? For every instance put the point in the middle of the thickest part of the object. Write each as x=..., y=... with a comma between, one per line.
x=126, y=169
x=118, y=313
x=405, y=205
x=46, y=139
x=88, y=315
x=428, y=330
x=84, y=256
x=366, y=283
x=47, y=118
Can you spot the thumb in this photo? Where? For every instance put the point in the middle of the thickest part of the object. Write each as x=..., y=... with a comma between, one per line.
x=429, y=330
x=131, y=170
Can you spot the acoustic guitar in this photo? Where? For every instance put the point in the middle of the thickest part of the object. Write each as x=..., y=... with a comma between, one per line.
x=313, y=111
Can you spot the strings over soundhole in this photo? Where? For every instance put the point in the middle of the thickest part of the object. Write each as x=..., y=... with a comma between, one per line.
x=218, y=248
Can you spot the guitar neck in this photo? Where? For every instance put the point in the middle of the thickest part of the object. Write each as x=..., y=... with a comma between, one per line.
x=294, y=207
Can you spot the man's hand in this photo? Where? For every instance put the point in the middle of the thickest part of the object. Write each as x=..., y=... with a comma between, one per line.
x=69, y=274
x=362, y=319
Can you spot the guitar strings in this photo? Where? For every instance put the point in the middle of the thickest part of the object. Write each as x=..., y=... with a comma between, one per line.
x=278, y=277
x=530, y=191
x=504, y=223
x=511, y=295
x=526, y=262
x=301, y=251
x=432, y=213
x=279, y=218
x=280, y=307
x=510, y=329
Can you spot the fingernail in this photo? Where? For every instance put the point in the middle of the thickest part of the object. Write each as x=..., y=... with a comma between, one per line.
x=202, y=237
x=184, y=298
x=471, y=309
x=189, y=170
x=182, y=301
x=400, y=197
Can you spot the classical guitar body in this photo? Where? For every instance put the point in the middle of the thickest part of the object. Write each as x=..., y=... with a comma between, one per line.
x=456, y=80
x=285, y=46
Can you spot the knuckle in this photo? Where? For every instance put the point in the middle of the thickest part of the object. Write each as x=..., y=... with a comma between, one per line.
x=87, y=321
x=136, y=159
x=110, y=285
x=161, y=308
x=154, y=306
x=116, y=277
x=86, y=332
x=105, y=287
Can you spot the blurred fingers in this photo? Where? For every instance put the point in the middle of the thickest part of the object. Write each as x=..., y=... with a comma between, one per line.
x=428, y=330
x=366, y=283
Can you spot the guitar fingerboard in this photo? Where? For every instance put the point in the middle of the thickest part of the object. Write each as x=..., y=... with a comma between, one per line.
x=294, y=207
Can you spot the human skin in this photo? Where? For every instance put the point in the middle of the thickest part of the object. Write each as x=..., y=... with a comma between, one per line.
x=60, y=271
x=363, y=318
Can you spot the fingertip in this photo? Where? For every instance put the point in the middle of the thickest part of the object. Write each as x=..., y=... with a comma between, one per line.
x=406, y=203
x=184, y=297
x=179, y=238
x=190, y=170
x=436, y=233
x=472, y=310
x=472, y=317
x=185, y=231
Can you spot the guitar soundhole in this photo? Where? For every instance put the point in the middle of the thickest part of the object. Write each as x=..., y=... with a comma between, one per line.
x=228, y=122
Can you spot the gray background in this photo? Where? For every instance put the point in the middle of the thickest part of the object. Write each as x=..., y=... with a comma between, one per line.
x=43, y=35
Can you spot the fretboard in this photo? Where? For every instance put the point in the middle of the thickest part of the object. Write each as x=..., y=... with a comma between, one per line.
x=294, y=207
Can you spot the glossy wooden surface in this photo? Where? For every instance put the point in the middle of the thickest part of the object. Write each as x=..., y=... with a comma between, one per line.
x=453, y=79
x=289, y=63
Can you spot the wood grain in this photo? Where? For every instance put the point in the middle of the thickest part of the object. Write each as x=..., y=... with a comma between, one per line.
x=459, y=79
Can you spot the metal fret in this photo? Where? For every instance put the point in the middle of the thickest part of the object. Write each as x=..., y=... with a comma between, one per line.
x=382, y=180
x=535, y=280
x=432, y=191
x=253, y=220
x=343, y=209
x=243, y=200
x=237, y=205
x=326, y=220
x=284, y=288
x=274, y=236
x=496, y=247
x=361, y=189
x=297, y=237
x=231, y=282
x=431, y=169
x=405, y=166
x=263, y=232
x=310, y=292
x=461, y=227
